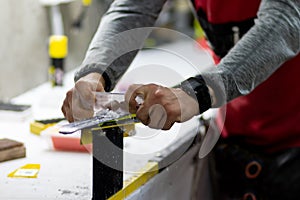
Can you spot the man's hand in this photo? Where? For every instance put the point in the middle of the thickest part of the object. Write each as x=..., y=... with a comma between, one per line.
x=80, y=100
x=161, y=106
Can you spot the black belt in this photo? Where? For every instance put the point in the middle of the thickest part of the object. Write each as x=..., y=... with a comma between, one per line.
x=223, y=37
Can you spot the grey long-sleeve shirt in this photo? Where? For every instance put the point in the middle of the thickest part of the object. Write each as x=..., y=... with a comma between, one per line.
x=273, y=39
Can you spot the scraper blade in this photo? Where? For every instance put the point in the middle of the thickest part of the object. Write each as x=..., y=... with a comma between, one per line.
x=109, y=107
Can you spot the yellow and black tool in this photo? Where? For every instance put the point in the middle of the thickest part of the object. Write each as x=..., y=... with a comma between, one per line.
x=37, y=126
x=58, y=51
x=99, y=123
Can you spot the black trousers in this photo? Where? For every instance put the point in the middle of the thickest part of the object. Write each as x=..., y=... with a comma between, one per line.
x=247, y=173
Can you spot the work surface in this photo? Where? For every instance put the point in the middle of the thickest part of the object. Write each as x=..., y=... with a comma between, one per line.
x=67, y=175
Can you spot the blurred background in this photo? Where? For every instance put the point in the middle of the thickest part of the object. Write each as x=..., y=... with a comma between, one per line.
x=26, y=26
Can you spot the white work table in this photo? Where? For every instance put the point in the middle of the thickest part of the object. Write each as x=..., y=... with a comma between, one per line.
x=63, y=175
x=68, y=175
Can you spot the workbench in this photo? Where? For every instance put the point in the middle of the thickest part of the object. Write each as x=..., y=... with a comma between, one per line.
x=67, y=175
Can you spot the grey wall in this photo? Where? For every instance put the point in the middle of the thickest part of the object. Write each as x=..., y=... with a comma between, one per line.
x=24, y=32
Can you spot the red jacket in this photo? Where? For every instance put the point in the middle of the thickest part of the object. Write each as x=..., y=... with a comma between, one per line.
x=270, y=115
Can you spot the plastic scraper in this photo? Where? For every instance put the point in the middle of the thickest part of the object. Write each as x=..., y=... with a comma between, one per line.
x=109, y=111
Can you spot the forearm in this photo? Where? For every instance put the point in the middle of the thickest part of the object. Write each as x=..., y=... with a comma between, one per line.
x=112, y=50
x=274, y=39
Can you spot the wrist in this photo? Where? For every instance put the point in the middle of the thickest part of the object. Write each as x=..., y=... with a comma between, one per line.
x=96, y=78
x=197, y=88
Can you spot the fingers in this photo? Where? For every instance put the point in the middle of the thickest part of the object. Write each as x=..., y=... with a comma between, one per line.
x=113, y=105
x=79, y=102
x=158, y=117
x=67, y=105
x=72, y=108
x=85, y=89
x=155, y=116
x=83, y=94
x=79, y=112
x=156, y=110
x=134, y=91
x=142, y=114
